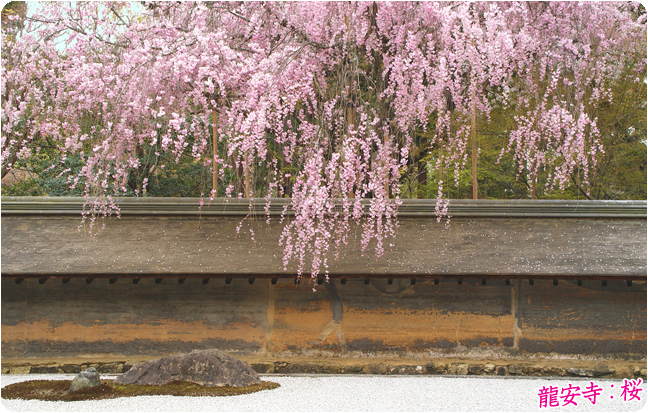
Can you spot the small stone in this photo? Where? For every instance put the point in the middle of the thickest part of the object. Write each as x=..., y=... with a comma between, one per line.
x=501, y=371
x=87, y=378
x=489, y=368
x=79, y=383
x=92, y=375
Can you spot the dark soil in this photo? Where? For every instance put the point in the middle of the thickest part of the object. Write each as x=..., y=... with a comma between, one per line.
x=57, y=390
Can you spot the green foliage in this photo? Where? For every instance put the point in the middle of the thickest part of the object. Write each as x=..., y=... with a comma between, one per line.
x=619, y=174
x=186, y=179
x=621, y=170
x=13, y=8
x=48, y=176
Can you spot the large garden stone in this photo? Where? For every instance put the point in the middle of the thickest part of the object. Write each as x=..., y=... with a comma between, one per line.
x=211, y=368
x=87, y=378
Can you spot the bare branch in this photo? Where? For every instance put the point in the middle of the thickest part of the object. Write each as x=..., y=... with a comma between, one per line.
x=118, y=16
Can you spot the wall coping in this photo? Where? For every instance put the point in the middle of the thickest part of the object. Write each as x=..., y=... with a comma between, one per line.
x=409, y=208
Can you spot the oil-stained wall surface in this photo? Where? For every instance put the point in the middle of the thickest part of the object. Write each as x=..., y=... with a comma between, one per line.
x=149, y=318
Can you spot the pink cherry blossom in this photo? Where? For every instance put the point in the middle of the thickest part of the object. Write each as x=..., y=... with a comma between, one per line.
x=337, y=87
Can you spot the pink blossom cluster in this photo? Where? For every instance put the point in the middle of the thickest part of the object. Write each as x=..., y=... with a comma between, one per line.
x=339, y=87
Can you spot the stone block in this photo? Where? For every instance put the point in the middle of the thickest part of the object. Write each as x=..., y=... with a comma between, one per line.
x=599, y=371
x=19, y=370
x=516, y=368
x=436, y=368
x=86, y=366
x=111, y=368
x=489, y=368
x=329, y=368
x=475, y=369
x=70, y=368
x=376, y=368
x=280, y=366
x=595, y=372
x=43, y=369
x=533, y=370
x=553, y=371
x=408, y=369
x=352, y=369
x=263, y=367
x=304, y=368
x=458, y=369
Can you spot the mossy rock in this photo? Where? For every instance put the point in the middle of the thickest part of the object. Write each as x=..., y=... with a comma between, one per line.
x=57, y=390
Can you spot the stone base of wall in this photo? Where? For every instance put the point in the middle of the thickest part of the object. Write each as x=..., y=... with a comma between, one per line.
x=611, y=369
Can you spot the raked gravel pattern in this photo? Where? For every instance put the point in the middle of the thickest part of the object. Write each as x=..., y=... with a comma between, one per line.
x=361, y=393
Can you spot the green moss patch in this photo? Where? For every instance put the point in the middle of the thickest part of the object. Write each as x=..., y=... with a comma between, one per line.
x=57, y=390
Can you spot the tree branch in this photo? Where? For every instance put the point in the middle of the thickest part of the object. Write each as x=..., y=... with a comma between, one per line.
x=579, y=187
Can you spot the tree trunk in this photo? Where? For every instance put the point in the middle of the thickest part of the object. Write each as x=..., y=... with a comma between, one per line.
x=247, y=190
x=351, y=117
x=533, y=176
x=473, y=132
x=385, y=138
x=215, y=143
x=422, y=181
x=10, y=161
